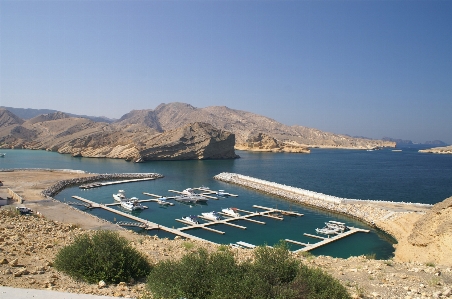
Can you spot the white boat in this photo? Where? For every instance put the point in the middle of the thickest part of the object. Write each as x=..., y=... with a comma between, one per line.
x=222, y=193
x=189, y=195
x=120, y=196
x=340, y=227
x=326, y=231
x=162, y=201
x=212, y=216
x=192, y=219
x=231, y=212
x=132, y=204
x=2, y=155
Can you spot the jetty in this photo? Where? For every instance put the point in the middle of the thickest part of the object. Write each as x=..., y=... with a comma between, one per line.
x=101, y=184
x=325, y=240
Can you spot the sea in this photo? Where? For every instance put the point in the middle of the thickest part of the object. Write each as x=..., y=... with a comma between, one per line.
x=405, y=175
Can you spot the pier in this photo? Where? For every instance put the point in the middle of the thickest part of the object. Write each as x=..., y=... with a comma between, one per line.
x=325, y=241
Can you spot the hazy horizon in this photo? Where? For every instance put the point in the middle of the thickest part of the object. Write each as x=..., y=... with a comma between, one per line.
x=362, y=68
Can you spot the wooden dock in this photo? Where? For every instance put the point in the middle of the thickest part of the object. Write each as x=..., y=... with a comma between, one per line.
x=148, y=224
x=325, y=241
x=95, y=185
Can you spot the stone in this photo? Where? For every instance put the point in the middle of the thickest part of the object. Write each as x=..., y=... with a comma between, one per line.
x=101, y=284
x=14, y=262
x=3, y=261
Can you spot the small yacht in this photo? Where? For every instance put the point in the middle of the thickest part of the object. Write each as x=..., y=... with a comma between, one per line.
x=2, y=155
x=132, y=204
x=120, y=196
x=339, y=226
x=222, y=193
x=163, y=201
x=192, y=219
x=231, y=212
x=326, y=231
x=212, y=216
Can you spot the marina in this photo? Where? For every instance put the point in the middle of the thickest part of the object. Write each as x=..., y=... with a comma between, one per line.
x=213, y=218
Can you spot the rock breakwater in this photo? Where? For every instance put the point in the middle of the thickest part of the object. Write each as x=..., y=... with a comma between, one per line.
x=54, y=189
x=365, y=210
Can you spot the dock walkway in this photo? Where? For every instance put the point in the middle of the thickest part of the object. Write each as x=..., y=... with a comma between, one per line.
x=95, y=185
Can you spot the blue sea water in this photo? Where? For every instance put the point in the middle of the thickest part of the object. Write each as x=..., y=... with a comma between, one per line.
x=379, y=175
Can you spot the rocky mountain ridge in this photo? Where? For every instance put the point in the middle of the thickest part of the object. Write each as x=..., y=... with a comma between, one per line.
x=148, y=134
x=85, y=138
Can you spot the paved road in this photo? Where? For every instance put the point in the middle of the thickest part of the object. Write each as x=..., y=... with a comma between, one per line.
x=15, y=293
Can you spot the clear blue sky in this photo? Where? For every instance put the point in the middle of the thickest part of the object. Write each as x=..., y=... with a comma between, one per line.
x=369, y=68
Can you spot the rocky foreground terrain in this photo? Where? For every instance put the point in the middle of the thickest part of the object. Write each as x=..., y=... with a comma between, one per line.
x=29, y=244
x=171, y=131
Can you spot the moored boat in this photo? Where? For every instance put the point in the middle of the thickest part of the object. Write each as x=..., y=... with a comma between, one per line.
x=222, y=193
x=192, y=219
x=2, y=155
x=120, y=196
x=231, y=212
x=212, y=216
x=132, y=204
x=163, y=201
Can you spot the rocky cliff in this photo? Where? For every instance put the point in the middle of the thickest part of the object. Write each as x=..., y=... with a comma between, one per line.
x=246, y=126
x=430, y=239
x=264, y=143
x=82, y=137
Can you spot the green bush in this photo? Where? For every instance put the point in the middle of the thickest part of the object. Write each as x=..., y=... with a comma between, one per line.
x=273, y=274
x=102, y=256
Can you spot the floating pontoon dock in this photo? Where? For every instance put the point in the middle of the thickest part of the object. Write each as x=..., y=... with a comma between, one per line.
x=94, y=185
x=309, y=247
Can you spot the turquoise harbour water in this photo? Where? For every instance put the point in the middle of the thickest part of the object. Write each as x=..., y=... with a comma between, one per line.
x=378, y=175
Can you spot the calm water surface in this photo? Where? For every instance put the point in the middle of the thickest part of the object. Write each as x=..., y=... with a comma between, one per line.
x=379, y=175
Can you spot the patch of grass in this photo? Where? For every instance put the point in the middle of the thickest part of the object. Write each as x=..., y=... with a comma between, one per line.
x=371, y=256
x=223, y=247
x=273, y=273
x=104, y=255
x=430, y=264
x=188, y=245
x=388, y=263
x=307, y=254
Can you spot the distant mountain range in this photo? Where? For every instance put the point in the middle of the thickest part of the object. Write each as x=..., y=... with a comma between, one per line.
x=27, y=113
x=136, y=132
x=401, y=142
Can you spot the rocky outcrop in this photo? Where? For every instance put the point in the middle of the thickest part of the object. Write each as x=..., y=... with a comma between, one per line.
x=438, y=150
x=264, y=143
x=430, y=240
x=139, y=142
x=193, y=141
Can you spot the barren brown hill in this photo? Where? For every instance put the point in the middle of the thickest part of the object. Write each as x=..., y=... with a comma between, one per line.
x=246, y=126
x=85, y=138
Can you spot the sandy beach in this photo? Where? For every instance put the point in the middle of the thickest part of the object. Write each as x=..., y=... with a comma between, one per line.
x=44, y=236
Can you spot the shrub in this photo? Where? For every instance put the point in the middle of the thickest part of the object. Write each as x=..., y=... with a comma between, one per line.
x=273, y=274
x=103, y=256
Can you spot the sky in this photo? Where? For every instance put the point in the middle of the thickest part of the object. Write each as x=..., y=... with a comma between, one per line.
x=362, y=68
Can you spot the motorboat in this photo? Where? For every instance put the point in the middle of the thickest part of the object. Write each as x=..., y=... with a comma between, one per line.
x=163, y=201
x=132, y=204
x=120, y=196
x=192, y=219
x=212, y=216
x=196, y=197
x=231, y=212
x=2, y=155
x=326, y=231
x=222, y=193
x=339, y=226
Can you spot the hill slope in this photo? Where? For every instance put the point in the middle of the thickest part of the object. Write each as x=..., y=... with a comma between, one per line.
x=246, y=126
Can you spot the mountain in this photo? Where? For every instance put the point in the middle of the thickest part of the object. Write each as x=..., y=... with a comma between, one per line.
x=436, y=143
x=82, y=137
x=398, y=141
x=28, y=113
x=246, y=126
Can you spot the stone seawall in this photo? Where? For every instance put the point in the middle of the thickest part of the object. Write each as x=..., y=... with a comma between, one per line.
x=365, y=210
x=53, y=190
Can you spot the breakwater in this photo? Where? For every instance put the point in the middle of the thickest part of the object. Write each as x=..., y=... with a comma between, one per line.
x=60, y=185
x=363, y=210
